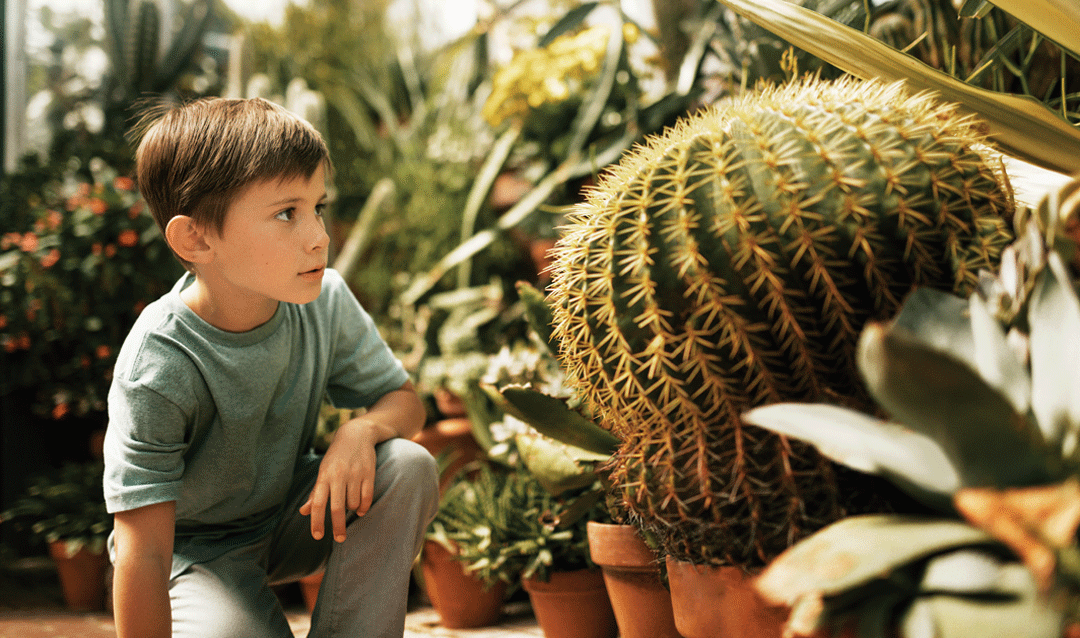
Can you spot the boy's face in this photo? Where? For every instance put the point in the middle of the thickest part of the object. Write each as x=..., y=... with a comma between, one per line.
x=273, y=246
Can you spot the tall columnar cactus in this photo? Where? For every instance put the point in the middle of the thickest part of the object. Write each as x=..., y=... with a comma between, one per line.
x=732, y=262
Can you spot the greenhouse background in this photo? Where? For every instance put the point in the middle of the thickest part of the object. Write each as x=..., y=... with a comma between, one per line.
x=781, y=292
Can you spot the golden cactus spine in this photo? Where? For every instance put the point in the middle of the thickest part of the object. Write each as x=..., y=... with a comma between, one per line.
x=732, y=262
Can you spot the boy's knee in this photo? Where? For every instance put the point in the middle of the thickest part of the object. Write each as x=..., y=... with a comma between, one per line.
x=410, y=462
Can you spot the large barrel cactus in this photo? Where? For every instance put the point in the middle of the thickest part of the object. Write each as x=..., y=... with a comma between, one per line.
x=732, y=262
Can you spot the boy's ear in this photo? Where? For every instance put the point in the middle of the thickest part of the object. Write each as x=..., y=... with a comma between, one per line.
x=187, y=240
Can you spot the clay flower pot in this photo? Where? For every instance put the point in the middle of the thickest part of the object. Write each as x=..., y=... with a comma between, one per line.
x=715, y=602
x=453, y=435
x=572, y=604
x=460, y=598
x=82, y=576
x=309, y=589
x=641, y=602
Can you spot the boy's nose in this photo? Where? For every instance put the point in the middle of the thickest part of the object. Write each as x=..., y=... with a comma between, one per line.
x=320, y=240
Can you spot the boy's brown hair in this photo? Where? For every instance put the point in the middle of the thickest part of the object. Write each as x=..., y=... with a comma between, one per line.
x=196, y=158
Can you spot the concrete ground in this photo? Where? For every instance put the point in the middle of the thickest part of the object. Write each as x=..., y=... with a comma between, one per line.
x=31, y=606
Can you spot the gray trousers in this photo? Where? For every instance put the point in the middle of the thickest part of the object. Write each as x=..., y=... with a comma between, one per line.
x=364, y=592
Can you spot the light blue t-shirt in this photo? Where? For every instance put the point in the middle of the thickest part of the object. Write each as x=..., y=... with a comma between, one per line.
x=217, y=421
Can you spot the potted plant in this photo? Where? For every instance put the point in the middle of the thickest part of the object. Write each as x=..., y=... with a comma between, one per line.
x=983, y=423
x=66, y=510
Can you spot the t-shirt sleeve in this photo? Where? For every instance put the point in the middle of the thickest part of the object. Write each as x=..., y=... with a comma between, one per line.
x=362, y=367
x=144, y=447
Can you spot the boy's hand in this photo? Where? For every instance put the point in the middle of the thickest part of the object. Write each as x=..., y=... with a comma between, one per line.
x=346, y=478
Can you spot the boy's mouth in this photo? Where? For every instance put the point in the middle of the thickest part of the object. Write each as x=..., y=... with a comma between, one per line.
x=314, y=272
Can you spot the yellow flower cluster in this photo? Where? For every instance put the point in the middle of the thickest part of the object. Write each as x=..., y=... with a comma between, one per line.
x=548, y=75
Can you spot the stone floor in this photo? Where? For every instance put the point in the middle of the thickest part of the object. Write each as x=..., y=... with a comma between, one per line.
x=31, y=606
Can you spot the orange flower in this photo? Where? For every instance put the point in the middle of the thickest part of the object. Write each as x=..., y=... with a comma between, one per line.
x=128, y=238
x=123, y=183
x=50, y=259
x=28, y=243
x=10, y=344
x=84, y=189
x=24, y=341
x=96, y=248
x=136, y=209
x=9, y=240
x=85, y=361
x=3, y=322
x=98, y=206
x=53, y=219
x=59, y=411
x=110, y=250
x=103, y=351
x=75, y=202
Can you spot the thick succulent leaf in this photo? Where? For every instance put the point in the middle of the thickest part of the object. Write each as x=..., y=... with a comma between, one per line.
x=938, y=319
x=551, y=417
x=1019, y=125
x=858, y=550
x=966, y=571
x=985, y=439
x=911, y=460
x=553, y=464
x=1054, y=317
x=1018, y=611
x=996, y=361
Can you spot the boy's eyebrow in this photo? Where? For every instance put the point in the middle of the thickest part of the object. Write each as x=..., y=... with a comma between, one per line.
x=293, y=200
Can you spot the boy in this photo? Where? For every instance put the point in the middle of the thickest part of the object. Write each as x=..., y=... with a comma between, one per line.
x=216, y=393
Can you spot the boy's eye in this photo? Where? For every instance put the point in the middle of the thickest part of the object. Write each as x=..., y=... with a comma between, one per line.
x=320, y=209
x=285, y=215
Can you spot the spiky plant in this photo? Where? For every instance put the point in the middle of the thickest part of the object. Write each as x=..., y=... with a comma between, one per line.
x=985, y=422
x=732, y=262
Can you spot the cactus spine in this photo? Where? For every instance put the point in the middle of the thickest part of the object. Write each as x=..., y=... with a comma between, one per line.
x=732, y=262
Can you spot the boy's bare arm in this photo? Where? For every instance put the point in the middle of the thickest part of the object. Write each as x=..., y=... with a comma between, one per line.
x=347, y=473
x=144, y=546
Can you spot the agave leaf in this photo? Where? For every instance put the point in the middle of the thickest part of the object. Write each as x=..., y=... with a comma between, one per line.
x=568, y=22
x=985, y=439
x=1058, y=20
x=1019, y=125
x=858, y=550
x=974, y=8
x=1017, y=610
x=939, y=320
x=911, y=460
x=537, y=313
x=551, y=417
x=1054, y=317
x=966, y=571
x=995, y=360
x=555, y=465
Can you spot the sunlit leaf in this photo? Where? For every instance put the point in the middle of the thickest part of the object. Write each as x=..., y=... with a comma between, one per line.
x=1055, y=350
x=1019, y=125
x=551, y=417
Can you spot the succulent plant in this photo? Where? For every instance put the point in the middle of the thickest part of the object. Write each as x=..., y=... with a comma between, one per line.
x=985, y=426
x=733, y=261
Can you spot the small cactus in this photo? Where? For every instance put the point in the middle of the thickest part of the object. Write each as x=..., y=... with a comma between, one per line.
x=733, y=262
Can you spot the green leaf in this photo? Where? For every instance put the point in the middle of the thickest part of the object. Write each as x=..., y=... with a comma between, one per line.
x=858, y=550
x=1058, y=20
x=572, y=20
x=975, y=9
x=553, y=465
x=1054, y=317
x=931, y=392
x=551, y=417
x=911, y=460
x=537, y=313
x=1019, y=125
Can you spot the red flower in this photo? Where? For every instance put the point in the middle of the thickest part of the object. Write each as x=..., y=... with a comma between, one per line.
x=96, y=248
x=59, y=411
x=50, y=259
x=123, y=184
x=98, y=206
x=53, y=219
x=24, y=341
x=103, y=351
x=28, y=243
x=136, y=209
x=140, y=305
x=128, y=238
x=110, y=250
x=3, y=322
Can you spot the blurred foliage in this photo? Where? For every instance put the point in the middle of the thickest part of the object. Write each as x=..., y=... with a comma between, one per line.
x=67, y=504
x=78, y=262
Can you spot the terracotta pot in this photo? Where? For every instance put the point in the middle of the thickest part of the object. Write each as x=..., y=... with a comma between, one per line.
x=450, y=405
x=460, y=598
x=572, y=604
x=641, y=602
x=715, y=602
x=309, y=589
x=82, y=576
x=455, y=436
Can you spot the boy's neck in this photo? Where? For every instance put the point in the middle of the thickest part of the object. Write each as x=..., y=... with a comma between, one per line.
x=227, y=308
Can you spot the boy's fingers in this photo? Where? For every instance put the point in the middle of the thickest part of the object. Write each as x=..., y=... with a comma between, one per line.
x=317, y=510
x=337, y=511
x=367, y=491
